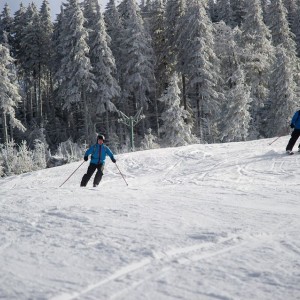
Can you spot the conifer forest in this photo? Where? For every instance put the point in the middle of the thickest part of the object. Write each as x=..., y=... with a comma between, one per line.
x=149, y=74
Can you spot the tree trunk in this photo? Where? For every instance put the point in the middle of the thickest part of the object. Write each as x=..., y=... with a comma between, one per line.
x=29, y=105
x=184, y=92
x=86, y=115
x=40, y=96
x=36, y=100
x=5, y=133
x=156, y=115
x=107, y=123
x=198, y=122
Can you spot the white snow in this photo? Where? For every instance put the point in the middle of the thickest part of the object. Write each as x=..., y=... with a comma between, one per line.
x=197, y=222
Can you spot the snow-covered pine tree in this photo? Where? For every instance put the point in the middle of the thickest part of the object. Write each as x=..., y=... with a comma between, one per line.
x=174, y=28
x=175, y=130
x=57, y=128
x=31, y=63
x=149, y=141
x=257, y=59
x=39, y=155
x=56, y=41
x=202, y=69
x=90, y=13
x=75, y=75
x=47, y=32
x=17, y=33
x=8, y=157
x=36, y=55
x=37, y=133
x=227, y=50
x=296, y=27
x=279, y=26
x=6, y=24
x=103, y=99
x=238, y=11
x=265, y=7
x=291, y=8
x=156, y=22
x=212, y=10
x=46, y=78
x=9, y=93
x=145, y=10
x=236, y=110
x=158, y=35
x=283, y=99
x=137, y=67
x=1, y=164
x=114, y=30
x=283, y=37
x=24, y=159
x=224, y=12
x=174, y=11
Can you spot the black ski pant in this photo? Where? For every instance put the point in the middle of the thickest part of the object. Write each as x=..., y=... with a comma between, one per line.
x=90, y=171
x=294, y=137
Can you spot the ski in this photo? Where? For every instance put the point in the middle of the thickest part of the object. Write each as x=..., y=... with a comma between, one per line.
x=289, y=152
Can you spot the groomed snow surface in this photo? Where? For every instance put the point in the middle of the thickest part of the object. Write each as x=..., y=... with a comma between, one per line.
x=198, y=222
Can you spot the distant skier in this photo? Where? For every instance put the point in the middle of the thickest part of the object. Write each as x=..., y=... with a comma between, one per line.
x=295, y=124
x=98, y=154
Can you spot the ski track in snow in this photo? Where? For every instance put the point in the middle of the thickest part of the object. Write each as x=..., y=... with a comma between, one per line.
x=197, y=222
x=161, y=261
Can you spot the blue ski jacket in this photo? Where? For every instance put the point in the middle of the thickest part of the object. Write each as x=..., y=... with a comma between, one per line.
x=98, y=154
x=296, y=120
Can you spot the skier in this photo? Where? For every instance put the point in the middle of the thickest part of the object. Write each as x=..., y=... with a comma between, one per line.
x=295, y=124
x=98, y=154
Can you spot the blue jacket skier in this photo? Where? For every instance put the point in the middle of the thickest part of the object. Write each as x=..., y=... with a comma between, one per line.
x=295, y=124
x=98, y=154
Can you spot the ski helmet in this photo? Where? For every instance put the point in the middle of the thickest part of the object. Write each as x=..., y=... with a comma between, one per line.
x=101, y=137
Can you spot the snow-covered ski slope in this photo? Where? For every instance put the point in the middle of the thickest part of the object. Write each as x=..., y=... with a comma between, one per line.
x=198, y=222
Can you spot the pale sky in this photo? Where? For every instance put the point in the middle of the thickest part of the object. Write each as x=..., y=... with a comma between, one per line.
x=54, y=5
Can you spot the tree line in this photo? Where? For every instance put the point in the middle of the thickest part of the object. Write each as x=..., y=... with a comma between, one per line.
x=200, y=71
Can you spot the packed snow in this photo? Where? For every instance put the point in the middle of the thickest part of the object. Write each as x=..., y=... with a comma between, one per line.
x=215, y=221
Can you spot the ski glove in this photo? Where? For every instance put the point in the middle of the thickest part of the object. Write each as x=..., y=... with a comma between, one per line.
x=86, y=158
x=292, y=126
x=113, y=160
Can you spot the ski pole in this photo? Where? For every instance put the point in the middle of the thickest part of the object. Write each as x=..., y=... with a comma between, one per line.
x=274, y=141
x=121, y=174
x=72, y=174
x=279, y=136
